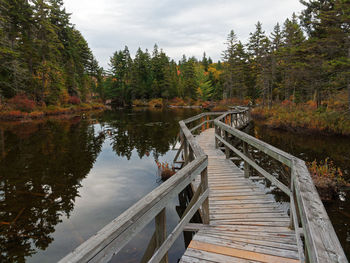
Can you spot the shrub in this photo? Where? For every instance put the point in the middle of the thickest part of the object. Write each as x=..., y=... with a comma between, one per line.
x=164, y=171
x=327, y=177
x=156, y=103
x=74, y=100
x=22, y=103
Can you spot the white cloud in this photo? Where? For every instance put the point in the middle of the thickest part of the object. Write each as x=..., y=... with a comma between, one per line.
x=179, y=27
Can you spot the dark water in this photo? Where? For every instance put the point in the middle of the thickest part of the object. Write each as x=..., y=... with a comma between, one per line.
x=62, y=180
x=316, y=147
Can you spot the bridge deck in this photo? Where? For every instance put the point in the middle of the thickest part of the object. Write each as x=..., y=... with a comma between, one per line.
x=246, y=224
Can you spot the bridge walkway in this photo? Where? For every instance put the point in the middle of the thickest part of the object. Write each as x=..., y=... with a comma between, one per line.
x=246, y=223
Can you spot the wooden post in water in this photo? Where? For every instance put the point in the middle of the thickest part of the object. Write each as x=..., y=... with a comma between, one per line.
x=160, y=232
x=185, y=146
x=191, y=155
x=205, y=205
x=246, y=165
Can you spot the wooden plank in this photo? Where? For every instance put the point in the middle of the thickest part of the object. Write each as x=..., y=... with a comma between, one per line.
x=213, y=257
x=263, y=242
x=239, y=253
x=275, y=181
x=273, y=251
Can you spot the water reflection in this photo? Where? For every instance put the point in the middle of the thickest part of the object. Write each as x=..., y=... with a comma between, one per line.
x=41, y=168
x=62, y=180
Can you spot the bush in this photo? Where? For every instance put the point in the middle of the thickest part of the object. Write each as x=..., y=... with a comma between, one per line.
x=22, y=103
x=74, y=100
x=164, y=171
x=156, y=103
x=327, y=177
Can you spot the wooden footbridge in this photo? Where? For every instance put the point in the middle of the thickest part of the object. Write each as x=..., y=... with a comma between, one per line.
x=240, y=221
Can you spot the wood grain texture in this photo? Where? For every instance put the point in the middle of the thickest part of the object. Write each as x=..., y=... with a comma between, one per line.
x=246, y=224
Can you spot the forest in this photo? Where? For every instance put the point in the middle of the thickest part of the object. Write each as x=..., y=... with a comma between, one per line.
x=47, y=63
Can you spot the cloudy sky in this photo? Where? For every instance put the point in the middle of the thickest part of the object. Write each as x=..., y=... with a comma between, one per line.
x=178, y=26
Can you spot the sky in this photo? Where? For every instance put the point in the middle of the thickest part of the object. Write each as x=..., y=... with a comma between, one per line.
x=179, y=27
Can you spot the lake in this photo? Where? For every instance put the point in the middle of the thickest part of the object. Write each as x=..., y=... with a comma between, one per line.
x=61, y=180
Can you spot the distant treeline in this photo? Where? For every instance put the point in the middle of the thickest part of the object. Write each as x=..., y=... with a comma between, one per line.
x=306, y=58
x=42, y=54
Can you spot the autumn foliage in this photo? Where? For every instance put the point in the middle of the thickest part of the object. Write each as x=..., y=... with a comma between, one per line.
x=306, y=117
x=327, y=177
x=22, y=103
x=164, y=170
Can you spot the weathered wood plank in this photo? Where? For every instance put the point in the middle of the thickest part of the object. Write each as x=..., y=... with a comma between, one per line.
x=234, y=252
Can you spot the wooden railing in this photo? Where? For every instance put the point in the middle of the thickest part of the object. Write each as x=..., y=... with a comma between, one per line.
x=115, y=235
x=316, y=238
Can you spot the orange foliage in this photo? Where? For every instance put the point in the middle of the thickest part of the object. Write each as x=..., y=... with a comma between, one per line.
x=22, y=103
x=164, y=170
x=327, y=177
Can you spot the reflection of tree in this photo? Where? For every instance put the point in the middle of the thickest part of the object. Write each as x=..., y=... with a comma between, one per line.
x=40, y=176
x=145, y=131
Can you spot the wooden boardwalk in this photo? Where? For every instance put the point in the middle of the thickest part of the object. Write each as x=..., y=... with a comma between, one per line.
x=246, y=224
x=240, y=221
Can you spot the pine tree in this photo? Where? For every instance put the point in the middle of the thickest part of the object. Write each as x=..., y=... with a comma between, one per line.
x=205, y=62
x=259, y=47
x=229, y=59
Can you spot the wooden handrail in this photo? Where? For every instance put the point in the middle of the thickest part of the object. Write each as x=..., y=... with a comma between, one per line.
x=115, y=235
x=307, y=213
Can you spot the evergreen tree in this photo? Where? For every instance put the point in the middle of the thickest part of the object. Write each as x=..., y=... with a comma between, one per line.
x=205, y=62
x=259, y=47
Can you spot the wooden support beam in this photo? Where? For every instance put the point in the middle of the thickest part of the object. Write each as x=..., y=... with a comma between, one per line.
x=246, y=164
x=160, y=232
x=205, y=206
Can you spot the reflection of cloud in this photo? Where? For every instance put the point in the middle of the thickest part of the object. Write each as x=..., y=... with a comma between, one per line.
x=180, y=27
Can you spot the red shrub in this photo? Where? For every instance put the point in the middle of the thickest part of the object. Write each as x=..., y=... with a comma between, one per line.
x=22, y=103
x=74, y=100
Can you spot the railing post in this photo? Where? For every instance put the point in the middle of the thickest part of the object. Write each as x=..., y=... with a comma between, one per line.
x=185, y=146
x=190, y=156
x=205, y=205
x=208, y=124
x=216, y=139
x=227, y=150
x=160, y=232
x=291, y=220
x=246, y=165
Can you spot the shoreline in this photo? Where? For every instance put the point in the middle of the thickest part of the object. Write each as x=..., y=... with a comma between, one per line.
x=264, y=121
x=19, y=116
